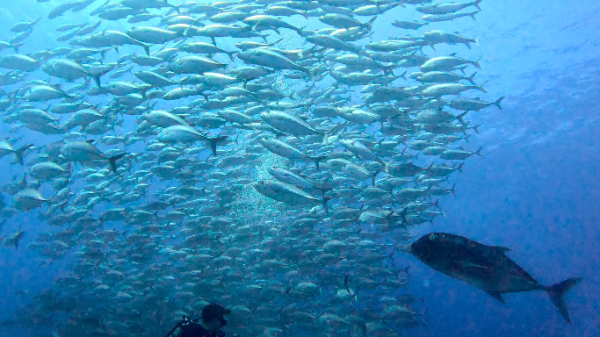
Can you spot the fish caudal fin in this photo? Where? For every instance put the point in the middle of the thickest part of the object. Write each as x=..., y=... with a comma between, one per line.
x=480, y=87
x=324, y=201
x=557, y=293
x=231, y=54
x=470, y=78
x=476, y=63
x=498, y=101
x=113, y=161
x=369, y=24
x=317, y=160
x=213, y=143
x=96, y=78
x=19, y=153
x=16, y=47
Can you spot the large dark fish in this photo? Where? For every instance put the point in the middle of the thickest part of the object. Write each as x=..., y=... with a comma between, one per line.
x=485, y=267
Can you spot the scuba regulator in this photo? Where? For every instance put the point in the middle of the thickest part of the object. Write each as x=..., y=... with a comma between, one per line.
x=185, y=321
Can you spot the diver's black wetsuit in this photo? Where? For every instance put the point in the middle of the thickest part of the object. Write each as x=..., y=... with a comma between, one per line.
x=196, y=330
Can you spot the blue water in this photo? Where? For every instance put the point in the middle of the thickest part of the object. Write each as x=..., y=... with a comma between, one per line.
x=536, y=189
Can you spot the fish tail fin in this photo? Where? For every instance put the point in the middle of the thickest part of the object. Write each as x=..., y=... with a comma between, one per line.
x=369, y=24
x=476, y=41
x=231, y=54
x=460, y=117
x=480, y=87
x=470, y=78
x=403, y=215
x=389, y=70
x=557, y=293
x=144, y=91
x=324, y=201
x=498, y=101
x=16, y=47
x=281, y=39
x=317, y=160
x=346, y=283
x=97, y=80
x=462, y=69
x=186, y=32
x=375, y=176
x=310, y=74
x=472, y=15
x=19, y=154
x=112, y=161
x=331, y=132
x=476, y=63
x=214, y=142
x=478, y=152
x=177, y=8
x=103, y=52
x=386, y=167
x=324, y=189
x=476, y=4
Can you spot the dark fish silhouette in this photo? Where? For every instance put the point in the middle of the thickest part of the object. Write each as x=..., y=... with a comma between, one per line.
x=485, y=267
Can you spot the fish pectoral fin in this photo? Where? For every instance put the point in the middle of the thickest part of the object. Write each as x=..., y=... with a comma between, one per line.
x=497, y=295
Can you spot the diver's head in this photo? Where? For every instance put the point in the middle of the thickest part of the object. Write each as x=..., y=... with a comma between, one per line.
x=212, y=317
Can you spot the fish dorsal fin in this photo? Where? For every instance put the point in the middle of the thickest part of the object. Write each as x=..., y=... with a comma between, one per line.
x=90, y=141
x=497, y=295
x=504, y=250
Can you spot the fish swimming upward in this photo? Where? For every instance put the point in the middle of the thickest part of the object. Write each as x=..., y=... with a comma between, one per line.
x=485, y=267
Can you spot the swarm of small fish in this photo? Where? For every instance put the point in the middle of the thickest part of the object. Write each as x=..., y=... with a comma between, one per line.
x=233, y=152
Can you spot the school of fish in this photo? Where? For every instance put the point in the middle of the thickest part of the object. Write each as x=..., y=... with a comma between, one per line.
x=266, y=155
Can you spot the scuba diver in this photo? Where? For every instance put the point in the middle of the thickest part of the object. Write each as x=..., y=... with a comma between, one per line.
x=211, y=322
